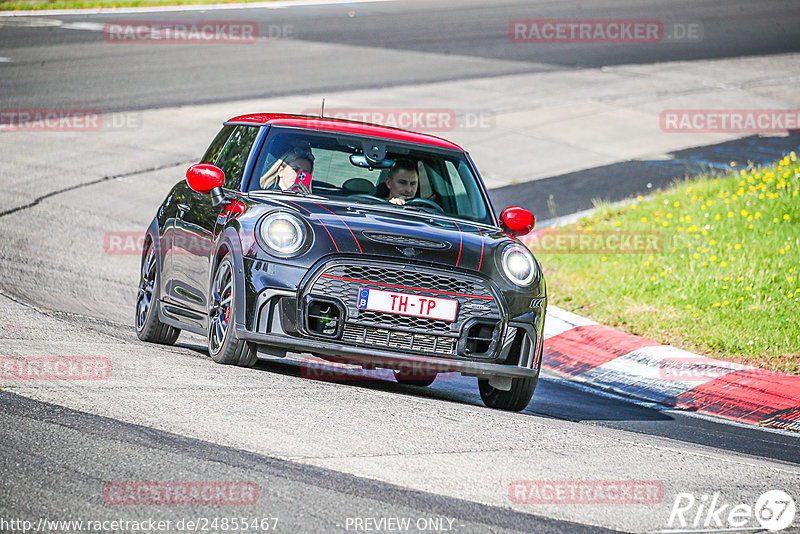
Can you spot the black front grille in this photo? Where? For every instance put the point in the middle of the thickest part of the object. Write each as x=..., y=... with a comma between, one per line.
x=342, y=281
x=357, y=334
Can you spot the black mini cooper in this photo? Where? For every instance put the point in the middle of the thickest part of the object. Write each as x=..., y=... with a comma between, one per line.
x=356, y=243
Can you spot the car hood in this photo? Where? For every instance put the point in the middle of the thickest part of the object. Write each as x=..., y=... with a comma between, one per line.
x=390, y=232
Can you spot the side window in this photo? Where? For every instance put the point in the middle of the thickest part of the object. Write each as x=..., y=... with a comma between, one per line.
x=216, y=145
x=233, y=156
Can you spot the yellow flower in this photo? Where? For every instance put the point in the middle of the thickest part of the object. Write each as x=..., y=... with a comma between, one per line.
x=712, y=242
x=717, y=217
x=713, y=258
x=695, y=256
x=733, y=164
x=603, y=258
x=644, y=219
x=785, y=216
x=688, y=306
x=737, y=246
x=676, y=204
x=633, y=206
x=723, y=264
x=743, y=213
x=652, y=278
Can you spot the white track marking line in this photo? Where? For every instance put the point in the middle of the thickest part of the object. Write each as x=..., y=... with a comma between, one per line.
x=199, y=7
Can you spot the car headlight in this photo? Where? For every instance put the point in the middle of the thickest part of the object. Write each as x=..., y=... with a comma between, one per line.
x=518, y=264
x=282, y=233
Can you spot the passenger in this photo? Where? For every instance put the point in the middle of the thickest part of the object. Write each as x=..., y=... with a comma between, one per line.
x=401, y=184
x=282, y=175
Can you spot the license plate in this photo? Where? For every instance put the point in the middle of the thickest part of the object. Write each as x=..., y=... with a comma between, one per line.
x=407, y=304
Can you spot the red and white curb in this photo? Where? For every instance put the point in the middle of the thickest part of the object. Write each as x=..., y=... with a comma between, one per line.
x=586, y=351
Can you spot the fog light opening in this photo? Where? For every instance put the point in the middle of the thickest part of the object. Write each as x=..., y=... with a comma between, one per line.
x=480, y=338
x=324, y=318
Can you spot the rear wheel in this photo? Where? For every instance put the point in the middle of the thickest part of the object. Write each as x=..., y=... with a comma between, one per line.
x=148, y=326
x=223, y=344
x=411, y=379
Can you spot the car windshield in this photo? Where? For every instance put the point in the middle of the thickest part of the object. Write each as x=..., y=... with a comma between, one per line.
x=371, y=171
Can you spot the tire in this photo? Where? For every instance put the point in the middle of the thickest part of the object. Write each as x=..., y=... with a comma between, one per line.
x=148, y=326
x=414, y=380
x=223, y=345
x=514, y=400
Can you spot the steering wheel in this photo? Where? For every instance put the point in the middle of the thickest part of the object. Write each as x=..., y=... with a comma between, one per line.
x=424, y=203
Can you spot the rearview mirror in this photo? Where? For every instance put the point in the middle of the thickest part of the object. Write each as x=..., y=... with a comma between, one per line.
x=517, y=221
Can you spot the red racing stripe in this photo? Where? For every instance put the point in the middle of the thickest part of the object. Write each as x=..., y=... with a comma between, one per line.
x=749, y=395
x=344, y=223
x=460, y=242
x=320, y=221
x=480, y=260
x=585, y=347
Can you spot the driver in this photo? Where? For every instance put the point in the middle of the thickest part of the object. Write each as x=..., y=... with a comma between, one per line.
x=283, y=173
x=401, y=182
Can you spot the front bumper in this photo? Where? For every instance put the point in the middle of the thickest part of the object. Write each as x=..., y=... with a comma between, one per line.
x=377, y=359
x=278, y=321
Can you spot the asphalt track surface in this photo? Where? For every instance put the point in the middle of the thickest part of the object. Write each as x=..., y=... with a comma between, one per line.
x=51, y=65
x=339, y=47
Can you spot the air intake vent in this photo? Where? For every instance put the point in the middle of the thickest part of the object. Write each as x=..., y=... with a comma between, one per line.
x=405, y=241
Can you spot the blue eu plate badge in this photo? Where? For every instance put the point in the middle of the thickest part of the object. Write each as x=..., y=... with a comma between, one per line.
x=363, y=296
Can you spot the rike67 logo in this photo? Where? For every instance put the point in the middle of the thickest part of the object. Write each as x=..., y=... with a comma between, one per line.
x=774, y=510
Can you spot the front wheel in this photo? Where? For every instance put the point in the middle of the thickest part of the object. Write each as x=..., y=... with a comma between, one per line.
x=514, y=400
x=223, y=344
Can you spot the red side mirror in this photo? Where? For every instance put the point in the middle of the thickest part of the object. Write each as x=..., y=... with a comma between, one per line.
x=204, y=177
x=516, y=220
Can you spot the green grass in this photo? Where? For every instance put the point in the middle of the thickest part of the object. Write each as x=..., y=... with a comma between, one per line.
x=16, y=5
x=726, y=283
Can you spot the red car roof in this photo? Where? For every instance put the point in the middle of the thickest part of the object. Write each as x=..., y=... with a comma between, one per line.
x=344, y=126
